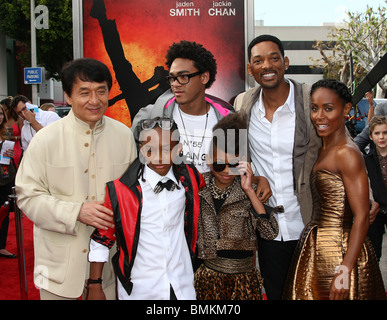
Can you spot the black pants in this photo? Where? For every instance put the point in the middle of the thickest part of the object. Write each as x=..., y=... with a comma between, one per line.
x=172, y=294
x=274, y=261
x=375, y=233
x=5, y=191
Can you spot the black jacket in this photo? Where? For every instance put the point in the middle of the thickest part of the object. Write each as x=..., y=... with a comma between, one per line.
x=375, y=174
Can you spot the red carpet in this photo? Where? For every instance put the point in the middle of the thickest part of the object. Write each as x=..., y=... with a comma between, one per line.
x=9, y=269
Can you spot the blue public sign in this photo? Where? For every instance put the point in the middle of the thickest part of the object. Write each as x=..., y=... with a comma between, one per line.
x=32, y=75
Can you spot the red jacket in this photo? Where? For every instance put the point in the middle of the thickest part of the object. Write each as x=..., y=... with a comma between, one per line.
x=124, y=197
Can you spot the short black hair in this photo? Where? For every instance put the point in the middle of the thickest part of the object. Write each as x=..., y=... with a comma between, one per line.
x=262, y=38
x=174, y=130
x=86, y=69
x=335, y=85
x=203, y=59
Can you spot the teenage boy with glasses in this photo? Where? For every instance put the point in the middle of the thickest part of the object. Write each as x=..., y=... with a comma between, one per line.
x=192, y=70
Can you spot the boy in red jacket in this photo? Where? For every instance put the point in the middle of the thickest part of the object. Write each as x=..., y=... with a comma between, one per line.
x=156, y=208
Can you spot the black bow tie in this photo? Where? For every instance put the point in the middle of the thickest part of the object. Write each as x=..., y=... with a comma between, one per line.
x=169, y=185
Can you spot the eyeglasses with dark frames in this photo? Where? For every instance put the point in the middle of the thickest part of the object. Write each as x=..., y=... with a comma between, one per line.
x=182, y=78
x=163, y=123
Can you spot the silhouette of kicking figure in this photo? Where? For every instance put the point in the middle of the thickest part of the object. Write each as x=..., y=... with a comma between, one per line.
x=135, y=93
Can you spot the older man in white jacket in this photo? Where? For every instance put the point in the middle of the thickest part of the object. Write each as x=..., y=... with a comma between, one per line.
x=61, y=181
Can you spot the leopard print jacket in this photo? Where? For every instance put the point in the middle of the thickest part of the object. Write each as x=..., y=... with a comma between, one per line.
x=235, y=227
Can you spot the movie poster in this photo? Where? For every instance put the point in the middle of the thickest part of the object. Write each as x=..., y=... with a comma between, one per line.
x=132, y=37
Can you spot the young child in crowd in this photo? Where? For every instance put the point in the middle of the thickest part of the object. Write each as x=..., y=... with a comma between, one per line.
x=156, y=209
x=376, y=162
x=230, y=215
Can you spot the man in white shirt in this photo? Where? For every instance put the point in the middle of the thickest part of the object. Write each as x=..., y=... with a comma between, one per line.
x=283, y=146
x=271, y=146
x=34, y=118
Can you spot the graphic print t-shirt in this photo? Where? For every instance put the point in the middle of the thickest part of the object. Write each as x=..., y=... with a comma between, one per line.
x=195, y=137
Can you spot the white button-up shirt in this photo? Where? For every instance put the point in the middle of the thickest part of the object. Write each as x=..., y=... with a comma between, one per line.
x=162, y=257
x=271, y=146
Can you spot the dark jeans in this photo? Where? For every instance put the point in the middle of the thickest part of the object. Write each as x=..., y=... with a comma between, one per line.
x=274, y=261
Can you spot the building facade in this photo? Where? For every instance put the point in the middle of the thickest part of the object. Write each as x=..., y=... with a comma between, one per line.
x=298, y=45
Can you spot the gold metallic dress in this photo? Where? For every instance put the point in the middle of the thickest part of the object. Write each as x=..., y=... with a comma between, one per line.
x=323, y=245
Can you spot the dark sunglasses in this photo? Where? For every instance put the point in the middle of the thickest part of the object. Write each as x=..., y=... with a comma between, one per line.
x=163, y=123
x=219, y=167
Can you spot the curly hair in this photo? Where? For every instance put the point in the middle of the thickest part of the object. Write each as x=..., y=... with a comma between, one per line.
x=337, y=86
x=203, y=59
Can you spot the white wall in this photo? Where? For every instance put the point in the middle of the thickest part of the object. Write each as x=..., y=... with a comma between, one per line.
x=301, y=57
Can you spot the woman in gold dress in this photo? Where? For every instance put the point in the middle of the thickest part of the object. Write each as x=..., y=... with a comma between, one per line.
x=334, y=258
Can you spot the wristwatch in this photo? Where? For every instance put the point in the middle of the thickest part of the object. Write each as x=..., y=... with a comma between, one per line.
x=94, y=281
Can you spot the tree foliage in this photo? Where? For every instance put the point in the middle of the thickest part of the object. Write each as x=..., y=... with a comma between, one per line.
x=364, y=36
x=54, y=45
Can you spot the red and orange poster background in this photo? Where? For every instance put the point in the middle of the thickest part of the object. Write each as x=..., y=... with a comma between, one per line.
x=148, y=27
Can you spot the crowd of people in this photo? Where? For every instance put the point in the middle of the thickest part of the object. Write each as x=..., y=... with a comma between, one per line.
x=19, y=122
x=181, y=205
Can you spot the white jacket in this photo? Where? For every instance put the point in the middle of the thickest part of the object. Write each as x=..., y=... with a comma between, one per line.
x=65, y=165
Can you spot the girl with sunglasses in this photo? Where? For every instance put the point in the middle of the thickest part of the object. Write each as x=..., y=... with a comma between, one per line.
x=230, y=216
